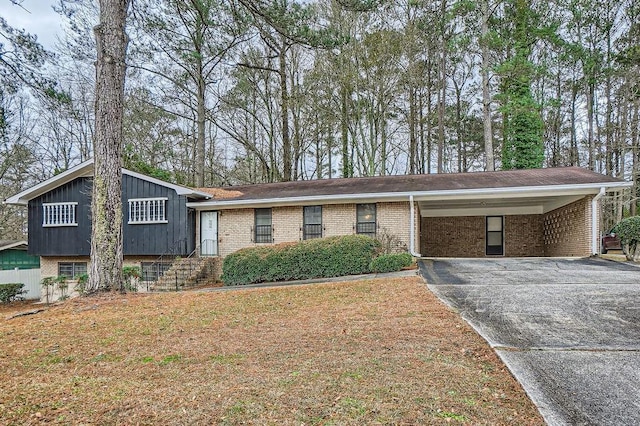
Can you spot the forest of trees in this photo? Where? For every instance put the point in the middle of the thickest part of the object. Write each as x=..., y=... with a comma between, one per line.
x=223, y=92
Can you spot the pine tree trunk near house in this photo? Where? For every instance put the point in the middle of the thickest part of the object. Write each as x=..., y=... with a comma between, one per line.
x=486, y=94
x=284, y=99
x=105, y=270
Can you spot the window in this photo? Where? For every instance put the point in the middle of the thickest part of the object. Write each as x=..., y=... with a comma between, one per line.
x=312, y=222
x=263, y=226
x=152, y=271
x=59, y=214
x=366, y=219
x=72, y=269
x=495, y=235
x=147, y=210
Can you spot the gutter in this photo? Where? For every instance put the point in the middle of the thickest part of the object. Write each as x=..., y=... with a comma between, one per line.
x=412, y=236
x=461, y=194
x=595, y=249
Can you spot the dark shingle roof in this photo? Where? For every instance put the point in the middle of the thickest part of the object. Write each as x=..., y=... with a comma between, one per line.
x=411, y=183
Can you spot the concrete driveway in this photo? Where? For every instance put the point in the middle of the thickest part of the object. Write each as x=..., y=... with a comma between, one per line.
x=568, y=329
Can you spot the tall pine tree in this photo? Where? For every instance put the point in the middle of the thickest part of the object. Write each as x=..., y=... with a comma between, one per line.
x=522, y=146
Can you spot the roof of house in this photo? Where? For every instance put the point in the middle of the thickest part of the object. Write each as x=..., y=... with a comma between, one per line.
x=424, y=183
x=13, y=244
x=86, y=170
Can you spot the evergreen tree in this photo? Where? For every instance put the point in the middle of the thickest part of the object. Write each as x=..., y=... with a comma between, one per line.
x=522, y=146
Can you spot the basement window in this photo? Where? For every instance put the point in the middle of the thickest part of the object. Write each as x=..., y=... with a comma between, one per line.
x=147, y=210
x=59, y=214
x=72, y=269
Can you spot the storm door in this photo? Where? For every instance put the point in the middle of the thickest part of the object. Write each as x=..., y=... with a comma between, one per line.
x=495, y=235
x=208, y=233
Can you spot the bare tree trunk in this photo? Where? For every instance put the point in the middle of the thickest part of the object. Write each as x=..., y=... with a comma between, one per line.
x=442, y=93
x=486, y=95
x=590, y=131
x=105, y=270
x=635, y=149
x=347, y=165
x=200, y=140
x=413, y=145
x=284, y=98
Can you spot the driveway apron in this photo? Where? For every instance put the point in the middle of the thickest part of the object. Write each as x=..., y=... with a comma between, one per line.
x=568, y=329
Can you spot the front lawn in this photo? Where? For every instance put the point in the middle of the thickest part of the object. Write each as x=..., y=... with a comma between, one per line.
x=382, y=351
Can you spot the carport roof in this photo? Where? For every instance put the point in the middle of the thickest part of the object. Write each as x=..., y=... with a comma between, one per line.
x=404, y=185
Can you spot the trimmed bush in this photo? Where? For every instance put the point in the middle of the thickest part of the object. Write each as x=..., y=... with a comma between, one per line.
x=10, y=292
x=317, y=258
x=391, y=262
x=628, y=230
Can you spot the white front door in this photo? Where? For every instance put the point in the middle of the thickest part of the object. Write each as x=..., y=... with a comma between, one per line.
x=208, y=233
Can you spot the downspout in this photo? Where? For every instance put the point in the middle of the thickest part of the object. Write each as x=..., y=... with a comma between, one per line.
x=595, y=249
x=412, y=232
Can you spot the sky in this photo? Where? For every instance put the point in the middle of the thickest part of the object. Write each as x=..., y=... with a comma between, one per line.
x=36, y=17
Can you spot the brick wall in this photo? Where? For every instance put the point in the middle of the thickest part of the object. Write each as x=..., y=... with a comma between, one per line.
x=567, y=230
x=287, y=224
x=453, y=236
x=393, y=221
x=234, y=230
x=235, y=226
x=464, y=236
x=339, y=219
x=523, y=236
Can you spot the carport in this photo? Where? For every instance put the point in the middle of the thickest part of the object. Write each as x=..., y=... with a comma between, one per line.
x=527, y=213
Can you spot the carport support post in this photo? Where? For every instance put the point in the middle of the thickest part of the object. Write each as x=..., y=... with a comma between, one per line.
x=595, y=246
x=412, y=231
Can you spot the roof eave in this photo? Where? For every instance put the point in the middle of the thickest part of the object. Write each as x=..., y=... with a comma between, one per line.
x=526, y=191
x=22, y=198
x=86, y=169
x=13, y=245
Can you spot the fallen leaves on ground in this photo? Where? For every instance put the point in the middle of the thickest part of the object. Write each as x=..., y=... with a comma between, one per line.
x=381, y=351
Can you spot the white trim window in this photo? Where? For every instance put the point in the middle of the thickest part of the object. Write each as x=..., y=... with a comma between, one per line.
x=59, y=214
x=147, y=210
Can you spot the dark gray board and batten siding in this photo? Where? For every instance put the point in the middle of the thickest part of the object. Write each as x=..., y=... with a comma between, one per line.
x=177, y=236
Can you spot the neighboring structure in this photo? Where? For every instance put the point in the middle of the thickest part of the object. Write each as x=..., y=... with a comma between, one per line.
x=13, y=255
x=542, y=212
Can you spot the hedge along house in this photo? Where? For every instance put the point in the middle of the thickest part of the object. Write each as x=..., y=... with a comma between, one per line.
x=520, y=213
x=541, y=212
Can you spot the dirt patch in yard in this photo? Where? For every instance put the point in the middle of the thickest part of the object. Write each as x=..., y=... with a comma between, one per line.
x=382, y=351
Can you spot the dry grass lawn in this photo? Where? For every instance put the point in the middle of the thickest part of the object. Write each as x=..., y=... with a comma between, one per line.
x=366, y=352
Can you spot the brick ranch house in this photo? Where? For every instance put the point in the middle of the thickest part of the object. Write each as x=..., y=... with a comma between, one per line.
x=520, y=213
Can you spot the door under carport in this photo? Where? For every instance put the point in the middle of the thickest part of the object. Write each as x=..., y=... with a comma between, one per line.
x=564, y=231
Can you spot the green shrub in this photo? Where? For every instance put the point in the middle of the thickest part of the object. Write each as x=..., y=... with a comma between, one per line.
x=391, y=262
x=317, y=258
x=12, y=291
x=628, y=230
x=131, y=275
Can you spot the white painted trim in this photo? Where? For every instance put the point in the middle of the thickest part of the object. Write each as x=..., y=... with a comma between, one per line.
x=180, y=190
x=22, y=198
x=148, y=199
x=595, y=243
x=547, y=207
x=12, y=245
x=412, y=231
